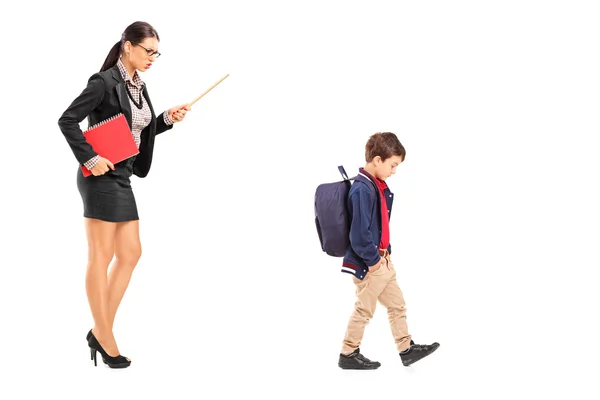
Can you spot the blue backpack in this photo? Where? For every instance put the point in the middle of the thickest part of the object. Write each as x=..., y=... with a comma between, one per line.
x=332, y=216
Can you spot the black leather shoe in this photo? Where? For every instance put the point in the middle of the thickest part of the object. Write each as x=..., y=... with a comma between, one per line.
x=113, y=362
x=417, y=352
x=355, y=360
x=88, y=337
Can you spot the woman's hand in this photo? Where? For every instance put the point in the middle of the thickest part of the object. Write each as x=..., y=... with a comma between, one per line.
x=102, y=167
x=177, y=113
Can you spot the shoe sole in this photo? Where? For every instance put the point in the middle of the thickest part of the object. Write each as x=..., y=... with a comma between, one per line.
x=117, y=366
x=352, y=366
x=412, y=362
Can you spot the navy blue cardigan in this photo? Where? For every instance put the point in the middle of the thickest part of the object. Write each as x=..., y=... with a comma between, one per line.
x=364, y=206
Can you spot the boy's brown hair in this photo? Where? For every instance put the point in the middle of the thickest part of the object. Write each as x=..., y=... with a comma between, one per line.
x=384, y=145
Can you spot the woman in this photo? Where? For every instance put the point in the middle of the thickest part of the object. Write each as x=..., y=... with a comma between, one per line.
x=110, y=212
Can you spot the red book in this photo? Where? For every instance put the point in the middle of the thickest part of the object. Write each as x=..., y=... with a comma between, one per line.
x=111, y=139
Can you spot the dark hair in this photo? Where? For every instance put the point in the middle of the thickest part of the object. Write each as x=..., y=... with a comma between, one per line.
x=135, y=33
x=384, y=145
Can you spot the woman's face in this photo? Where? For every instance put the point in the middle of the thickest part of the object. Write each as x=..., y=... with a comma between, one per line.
x=142, y=55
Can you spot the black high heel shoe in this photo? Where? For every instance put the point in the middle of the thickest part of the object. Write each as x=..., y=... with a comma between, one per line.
x=87, y=338
x=113, y=362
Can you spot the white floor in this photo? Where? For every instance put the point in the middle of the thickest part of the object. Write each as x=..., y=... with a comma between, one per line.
x=193, y=337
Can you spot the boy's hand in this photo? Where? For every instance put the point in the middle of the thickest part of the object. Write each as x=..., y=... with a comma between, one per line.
x=376, y=266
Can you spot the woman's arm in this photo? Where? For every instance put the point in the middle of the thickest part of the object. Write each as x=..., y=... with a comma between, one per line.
x=163, y=122
x=79, y=109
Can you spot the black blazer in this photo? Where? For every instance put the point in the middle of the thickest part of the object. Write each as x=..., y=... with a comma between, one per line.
x=106, y=96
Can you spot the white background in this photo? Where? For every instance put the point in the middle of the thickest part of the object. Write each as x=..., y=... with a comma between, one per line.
x=495, y=225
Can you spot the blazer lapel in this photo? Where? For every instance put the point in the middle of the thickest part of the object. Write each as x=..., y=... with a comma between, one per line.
x=147, y=98
x=122, y=96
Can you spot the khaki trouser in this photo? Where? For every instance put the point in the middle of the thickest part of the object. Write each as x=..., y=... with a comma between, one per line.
x=380, y=285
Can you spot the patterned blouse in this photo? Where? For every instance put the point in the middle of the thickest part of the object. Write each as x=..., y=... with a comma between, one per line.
x=140, y=117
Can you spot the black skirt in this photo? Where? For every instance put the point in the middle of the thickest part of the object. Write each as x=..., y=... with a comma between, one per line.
x=109, y=197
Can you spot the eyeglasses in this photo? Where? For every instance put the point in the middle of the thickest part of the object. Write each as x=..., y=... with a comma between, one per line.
x=150, y=52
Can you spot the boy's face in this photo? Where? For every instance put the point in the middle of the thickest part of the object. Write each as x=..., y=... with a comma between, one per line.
x=387, y=168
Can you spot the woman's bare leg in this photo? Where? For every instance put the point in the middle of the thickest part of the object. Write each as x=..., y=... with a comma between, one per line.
x=101, y=249
x=128, y=250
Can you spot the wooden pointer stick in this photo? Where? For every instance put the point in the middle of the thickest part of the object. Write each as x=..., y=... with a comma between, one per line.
x=207, y=90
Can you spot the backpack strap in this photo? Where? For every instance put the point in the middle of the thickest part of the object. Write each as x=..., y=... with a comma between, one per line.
x=345, y=175
x=343, y=172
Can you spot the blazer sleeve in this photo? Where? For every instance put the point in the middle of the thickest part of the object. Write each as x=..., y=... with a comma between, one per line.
x=161, y=123
x=361, y=239
x=79, y=109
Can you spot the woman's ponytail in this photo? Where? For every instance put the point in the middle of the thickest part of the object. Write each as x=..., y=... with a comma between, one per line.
x=112, y=57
